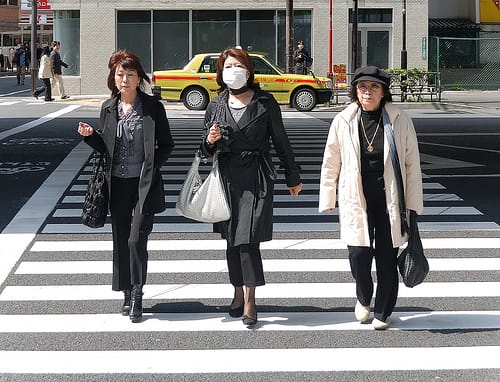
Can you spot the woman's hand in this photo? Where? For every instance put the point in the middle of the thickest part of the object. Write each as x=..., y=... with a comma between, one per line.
x=294, y=191
x=214, y=134
x=84, y=129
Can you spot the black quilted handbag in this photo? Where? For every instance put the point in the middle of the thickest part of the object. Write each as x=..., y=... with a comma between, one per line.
x=95, y=206
x=412, y=264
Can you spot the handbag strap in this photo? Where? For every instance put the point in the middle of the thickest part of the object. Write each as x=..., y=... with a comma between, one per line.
x=98, y=163
x=389, y=133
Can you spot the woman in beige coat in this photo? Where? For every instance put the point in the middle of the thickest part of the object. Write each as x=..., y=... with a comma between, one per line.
x=45, y=74
x=357, y=164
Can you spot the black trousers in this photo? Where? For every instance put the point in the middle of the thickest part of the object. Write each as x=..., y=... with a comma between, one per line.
x=385, y=255
x=45, y=88
x=131, y=230
x=244, y=263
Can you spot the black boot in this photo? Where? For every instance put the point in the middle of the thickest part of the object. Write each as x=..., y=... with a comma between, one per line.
x=126, y=303
x=136, y=307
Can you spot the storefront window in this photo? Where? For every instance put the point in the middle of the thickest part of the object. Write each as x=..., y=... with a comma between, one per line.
x=170, y=39
x=134, y=34
x=258, y=32
x=161, y=38
x=213, y=31
x=67, y=31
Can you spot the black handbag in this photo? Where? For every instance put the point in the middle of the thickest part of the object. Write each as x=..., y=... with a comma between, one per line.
x=412, y=263
x=95, y=205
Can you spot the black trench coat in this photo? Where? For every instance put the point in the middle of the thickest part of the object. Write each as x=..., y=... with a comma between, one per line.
x=246, y=166
x=158, y=145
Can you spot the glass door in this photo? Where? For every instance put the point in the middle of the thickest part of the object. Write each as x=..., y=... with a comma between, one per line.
x=374, y=46
x=377, y=48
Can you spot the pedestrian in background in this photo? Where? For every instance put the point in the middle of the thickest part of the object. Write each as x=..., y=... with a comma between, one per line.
x=22, y=61
x=357, y=165
x=301, y=58
x=11, y=59
x=45, y=74
x=39, y=52
x=249, y=119
x=135, y=137
x=57, y=64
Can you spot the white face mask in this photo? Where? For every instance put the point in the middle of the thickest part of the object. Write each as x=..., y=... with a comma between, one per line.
x=234, y=77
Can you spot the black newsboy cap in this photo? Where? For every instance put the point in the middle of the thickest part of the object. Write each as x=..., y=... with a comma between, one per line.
x=371, y=73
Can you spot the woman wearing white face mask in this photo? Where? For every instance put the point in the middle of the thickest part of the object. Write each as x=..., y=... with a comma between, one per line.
x=240, y=125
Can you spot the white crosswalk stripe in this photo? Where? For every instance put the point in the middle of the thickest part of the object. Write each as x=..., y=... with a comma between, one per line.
x=204, y=322
x=208, y=266
x=264, y=360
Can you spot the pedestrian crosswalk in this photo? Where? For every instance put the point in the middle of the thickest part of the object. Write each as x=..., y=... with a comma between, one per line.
x=60, y=292
x=442, y=210
x=60, y=321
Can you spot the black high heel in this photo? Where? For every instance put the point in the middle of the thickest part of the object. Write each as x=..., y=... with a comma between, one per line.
x=236, y=312
x=126, y=302
x=136, y=304
x=250, y=320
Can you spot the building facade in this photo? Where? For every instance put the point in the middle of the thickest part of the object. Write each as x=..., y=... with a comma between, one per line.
x=166, y=33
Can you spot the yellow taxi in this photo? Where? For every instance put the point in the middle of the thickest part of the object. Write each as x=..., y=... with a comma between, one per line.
x=195, y=84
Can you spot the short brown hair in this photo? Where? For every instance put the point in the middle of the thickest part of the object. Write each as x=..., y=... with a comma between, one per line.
x=127, y=60
x=243, y=57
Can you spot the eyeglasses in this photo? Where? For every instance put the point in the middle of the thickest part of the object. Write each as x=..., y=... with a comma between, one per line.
x=365, y=88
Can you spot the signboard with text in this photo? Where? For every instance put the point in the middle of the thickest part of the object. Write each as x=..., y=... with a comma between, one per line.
x=490, y=11
x=340, y=77
x=41, y=19
x=43, y=5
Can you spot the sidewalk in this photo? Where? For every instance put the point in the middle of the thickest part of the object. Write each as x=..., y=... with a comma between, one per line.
x=489, y=99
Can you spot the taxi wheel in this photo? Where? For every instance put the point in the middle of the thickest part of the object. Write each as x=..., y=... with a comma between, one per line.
x=304, y=99
x=195, y=98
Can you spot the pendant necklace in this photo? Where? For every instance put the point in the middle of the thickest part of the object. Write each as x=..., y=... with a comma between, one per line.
x=370, y=144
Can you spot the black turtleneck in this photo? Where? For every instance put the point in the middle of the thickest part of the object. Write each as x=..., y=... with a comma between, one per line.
x=372, y=161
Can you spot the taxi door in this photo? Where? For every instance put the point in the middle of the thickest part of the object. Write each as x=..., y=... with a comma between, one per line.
x=269, y=79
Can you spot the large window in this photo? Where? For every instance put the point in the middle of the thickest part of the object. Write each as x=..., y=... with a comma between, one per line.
x=213, y=31
x=171, y=39
x=67, y=31
x=134, y=34
x=258, y=32
x=161, y=38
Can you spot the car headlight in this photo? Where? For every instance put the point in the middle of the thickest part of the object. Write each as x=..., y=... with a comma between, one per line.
x=325, y=83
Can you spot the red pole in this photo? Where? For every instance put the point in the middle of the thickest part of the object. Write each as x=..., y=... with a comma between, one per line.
x=330, y=41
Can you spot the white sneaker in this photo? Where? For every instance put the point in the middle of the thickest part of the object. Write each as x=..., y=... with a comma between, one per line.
x=381, y=325
x=362, y=312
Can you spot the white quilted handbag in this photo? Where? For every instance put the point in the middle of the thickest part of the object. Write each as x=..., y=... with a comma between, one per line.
x=203, y=201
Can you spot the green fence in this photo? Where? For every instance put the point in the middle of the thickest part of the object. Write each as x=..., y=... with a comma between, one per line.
x=466, y=63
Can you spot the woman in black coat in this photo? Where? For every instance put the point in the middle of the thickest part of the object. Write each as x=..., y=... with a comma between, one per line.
x=240, y=125
x=135, y=135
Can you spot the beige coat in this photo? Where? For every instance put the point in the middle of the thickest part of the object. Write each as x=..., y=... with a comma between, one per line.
x=45, y=70
x=341, y=171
